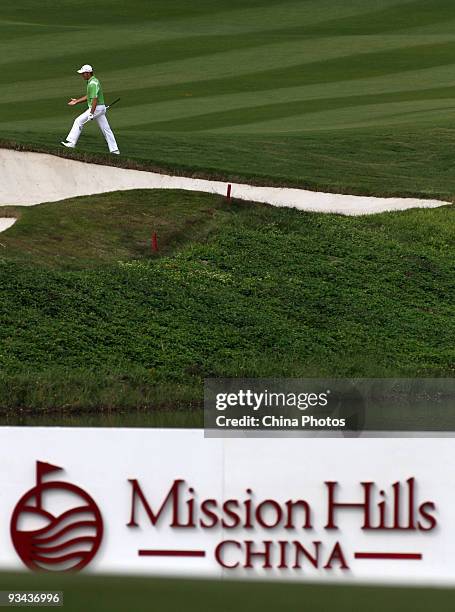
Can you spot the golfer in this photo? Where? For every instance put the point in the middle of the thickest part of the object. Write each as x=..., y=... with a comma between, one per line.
x=96, y=110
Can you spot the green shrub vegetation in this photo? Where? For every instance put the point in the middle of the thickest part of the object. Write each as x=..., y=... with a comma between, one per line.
x=92, y=320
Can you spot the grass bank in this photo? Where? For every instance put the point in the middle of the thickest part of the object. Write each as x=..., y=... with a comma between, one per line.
x=92, y=321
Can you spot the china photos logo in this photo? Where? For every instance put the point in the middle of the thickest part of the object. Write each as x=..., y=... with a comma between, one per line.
x=56, y=526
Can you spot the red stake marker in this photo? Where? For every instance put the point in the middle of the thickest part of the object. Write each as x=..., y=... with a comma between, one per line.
x=228, y=195
x=154, y=243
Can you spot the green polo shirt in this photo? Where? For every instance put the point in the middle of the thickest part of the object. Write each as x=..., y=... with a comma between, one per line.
x=94, y=90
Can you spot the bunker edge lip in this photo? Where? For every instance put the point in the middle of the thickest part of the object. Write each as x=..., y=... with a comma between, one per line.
x=34, y=178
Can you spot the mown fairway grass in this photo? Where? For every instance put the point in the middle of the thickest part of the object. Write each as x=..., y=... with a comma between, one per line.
x=114, y=594
x=92, y=320
x=354, y=96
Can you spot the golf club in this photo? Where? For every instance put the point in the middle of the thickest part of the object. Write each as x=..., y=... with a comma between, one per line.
x=109, y=106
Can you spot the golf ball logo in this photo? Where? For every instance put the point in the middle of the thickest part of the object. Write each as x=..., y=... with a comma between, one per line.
x=56, y=526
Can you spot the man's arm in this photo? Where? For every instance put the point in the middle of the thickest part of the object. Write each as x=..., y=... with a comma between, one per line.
x=75, y=101
x=94, y=105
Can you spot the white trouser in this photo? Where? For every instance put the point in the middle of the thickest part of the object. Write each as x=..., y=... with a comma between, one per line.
x=100, y=118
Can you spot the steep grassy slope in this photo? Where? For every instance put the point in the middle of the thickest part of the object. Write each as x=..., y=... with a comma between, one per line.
x=92, y=320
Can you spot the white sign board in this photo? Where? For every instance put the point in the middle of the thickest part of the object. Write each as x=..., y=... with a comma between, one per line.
x=148, y=501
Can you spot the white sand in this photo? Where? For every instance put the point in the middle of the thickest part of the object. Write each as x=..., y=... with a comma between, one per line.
x=6, y=222
x=33, y=178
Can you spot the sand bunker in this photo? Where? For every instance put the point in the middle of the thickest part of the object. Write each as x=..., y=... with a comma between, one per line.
x=33, y=178
x=5, y=223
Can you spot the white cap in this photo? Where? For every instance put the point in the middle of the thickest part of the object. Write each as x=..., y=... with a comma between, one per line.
x=85, y=68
